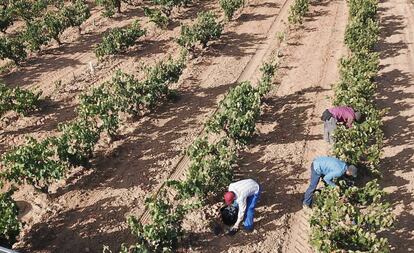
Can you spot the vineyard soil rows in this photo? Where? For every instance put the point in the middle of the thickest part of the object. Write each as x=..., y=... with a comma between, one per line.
x=89, y=209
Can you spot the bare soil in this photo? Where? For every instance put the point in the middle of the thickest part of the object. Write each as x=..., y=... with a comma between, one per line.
x=396, y=93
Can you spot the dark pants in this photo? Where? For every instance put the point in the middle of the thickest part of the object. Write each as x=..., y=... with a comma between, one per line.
x=251, y=203
x=329, y=126
x=315, y=177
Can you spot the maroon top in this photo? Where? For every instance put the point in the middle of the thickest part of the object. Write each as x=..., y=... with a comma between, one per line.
x=343, y=114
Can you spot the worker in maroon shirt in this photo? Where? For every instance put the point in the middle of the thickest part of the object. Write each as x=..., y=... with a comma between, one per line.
x=340, y=114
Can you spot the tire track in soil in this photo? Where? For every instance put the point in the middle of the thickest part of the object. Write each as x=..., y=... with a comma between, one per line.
x=335, y=20
x=396, y=92
x=91, y=209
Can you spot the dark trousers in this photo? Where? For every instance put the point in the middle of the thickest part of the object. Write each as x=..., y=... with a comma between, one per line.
x=329, y=126
x=315, y=177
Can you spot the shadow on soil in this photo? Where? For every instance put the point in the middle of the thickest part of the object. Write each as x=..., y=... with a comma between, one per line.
x=399, y=131
x=84, y=229
x=261, y=162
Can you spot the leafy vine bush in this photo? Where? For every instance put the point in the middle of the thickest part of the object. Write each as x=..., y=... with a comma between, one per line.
x=163, y=234
x=118, y=39
x=230, y=7
x=237, y=113
x=157, y=17
x=35, y=163
x=54, y=25
x=205, y=29
x=265, y=84
x=18, y=100
x=34, y=36
x=77, y=13
x=110, y=6
x=168, y=5
x=298, y=11
x=77, y=142
x=12, y=48
x=100, y=107
x=361, y=34
x=350, y=219
x=210, y=169
x=9, y=223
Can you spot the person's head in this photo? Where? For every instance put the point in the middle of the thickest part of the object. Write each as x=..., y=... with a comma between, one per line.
x=351, y=171
x=358, y=116
x=229, y=197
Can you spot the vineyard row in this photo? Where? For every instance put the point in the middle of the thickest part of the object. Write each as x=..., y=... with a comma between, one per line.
x=351, y=217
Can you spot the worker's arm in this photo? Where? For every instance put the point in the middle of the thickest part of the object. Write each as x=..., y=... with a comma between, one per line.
x=349, y=122
x=330, y=176
x=242, y=210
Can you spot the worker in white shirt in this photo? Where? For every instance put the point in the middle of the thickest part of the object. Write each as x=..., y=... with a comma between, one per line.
x=244, y=193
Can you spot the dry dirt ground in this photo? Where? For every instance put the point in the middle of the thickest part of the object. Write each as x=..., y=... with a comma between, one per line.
x=396, y=92
x=88, y=209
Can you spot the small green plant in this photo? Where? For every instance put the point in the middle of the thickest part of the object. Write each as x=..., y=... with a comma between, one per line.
x=205, y=29
x=54, y=24
x=237, y=113
x=100, y=107
x=361, y=34
x=35, y=163
x=157, y=17
x=298, y=11
x=265, y=84
x=168, y=5
x=9, y=223
x=18, y=100
x=12, y=48
x=163, y=233
x=110, y=7
x=118, y=39
x=77, y=142
x=230, y=7
x=34, y=36
x=75, y=14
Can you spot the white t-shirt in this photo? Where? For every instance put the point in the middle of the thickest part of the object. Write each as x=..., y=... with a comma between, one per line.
x=243, y=189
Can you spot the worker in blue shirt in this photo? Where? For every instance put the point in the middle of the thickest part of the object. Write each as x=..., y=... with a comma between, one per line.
x=327, y=168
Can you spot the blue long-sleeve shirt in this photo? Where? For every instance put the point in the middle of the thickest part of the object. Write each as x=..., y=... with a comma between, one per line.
x=329, y=167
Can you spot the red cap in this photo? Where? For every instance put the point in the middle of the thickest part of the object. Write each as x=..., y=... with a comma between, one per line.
x=229, y=197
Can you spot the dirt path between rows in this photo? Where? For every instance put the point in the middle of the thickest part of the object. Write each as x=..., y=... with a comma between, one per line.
x=290, y=136
x=90, y=210
x=396, y=92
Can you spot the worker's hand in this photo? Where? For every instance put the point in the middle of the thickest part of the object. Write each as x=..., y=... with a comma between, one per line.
x=344, y=199
x=233, y=230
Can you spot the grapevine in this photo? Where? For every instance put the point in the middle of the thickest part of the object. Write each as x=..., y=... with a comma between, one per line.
x=230, y=7
x=205, y=29
x=118, y=39
x=9, y=223
x=350, y=218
